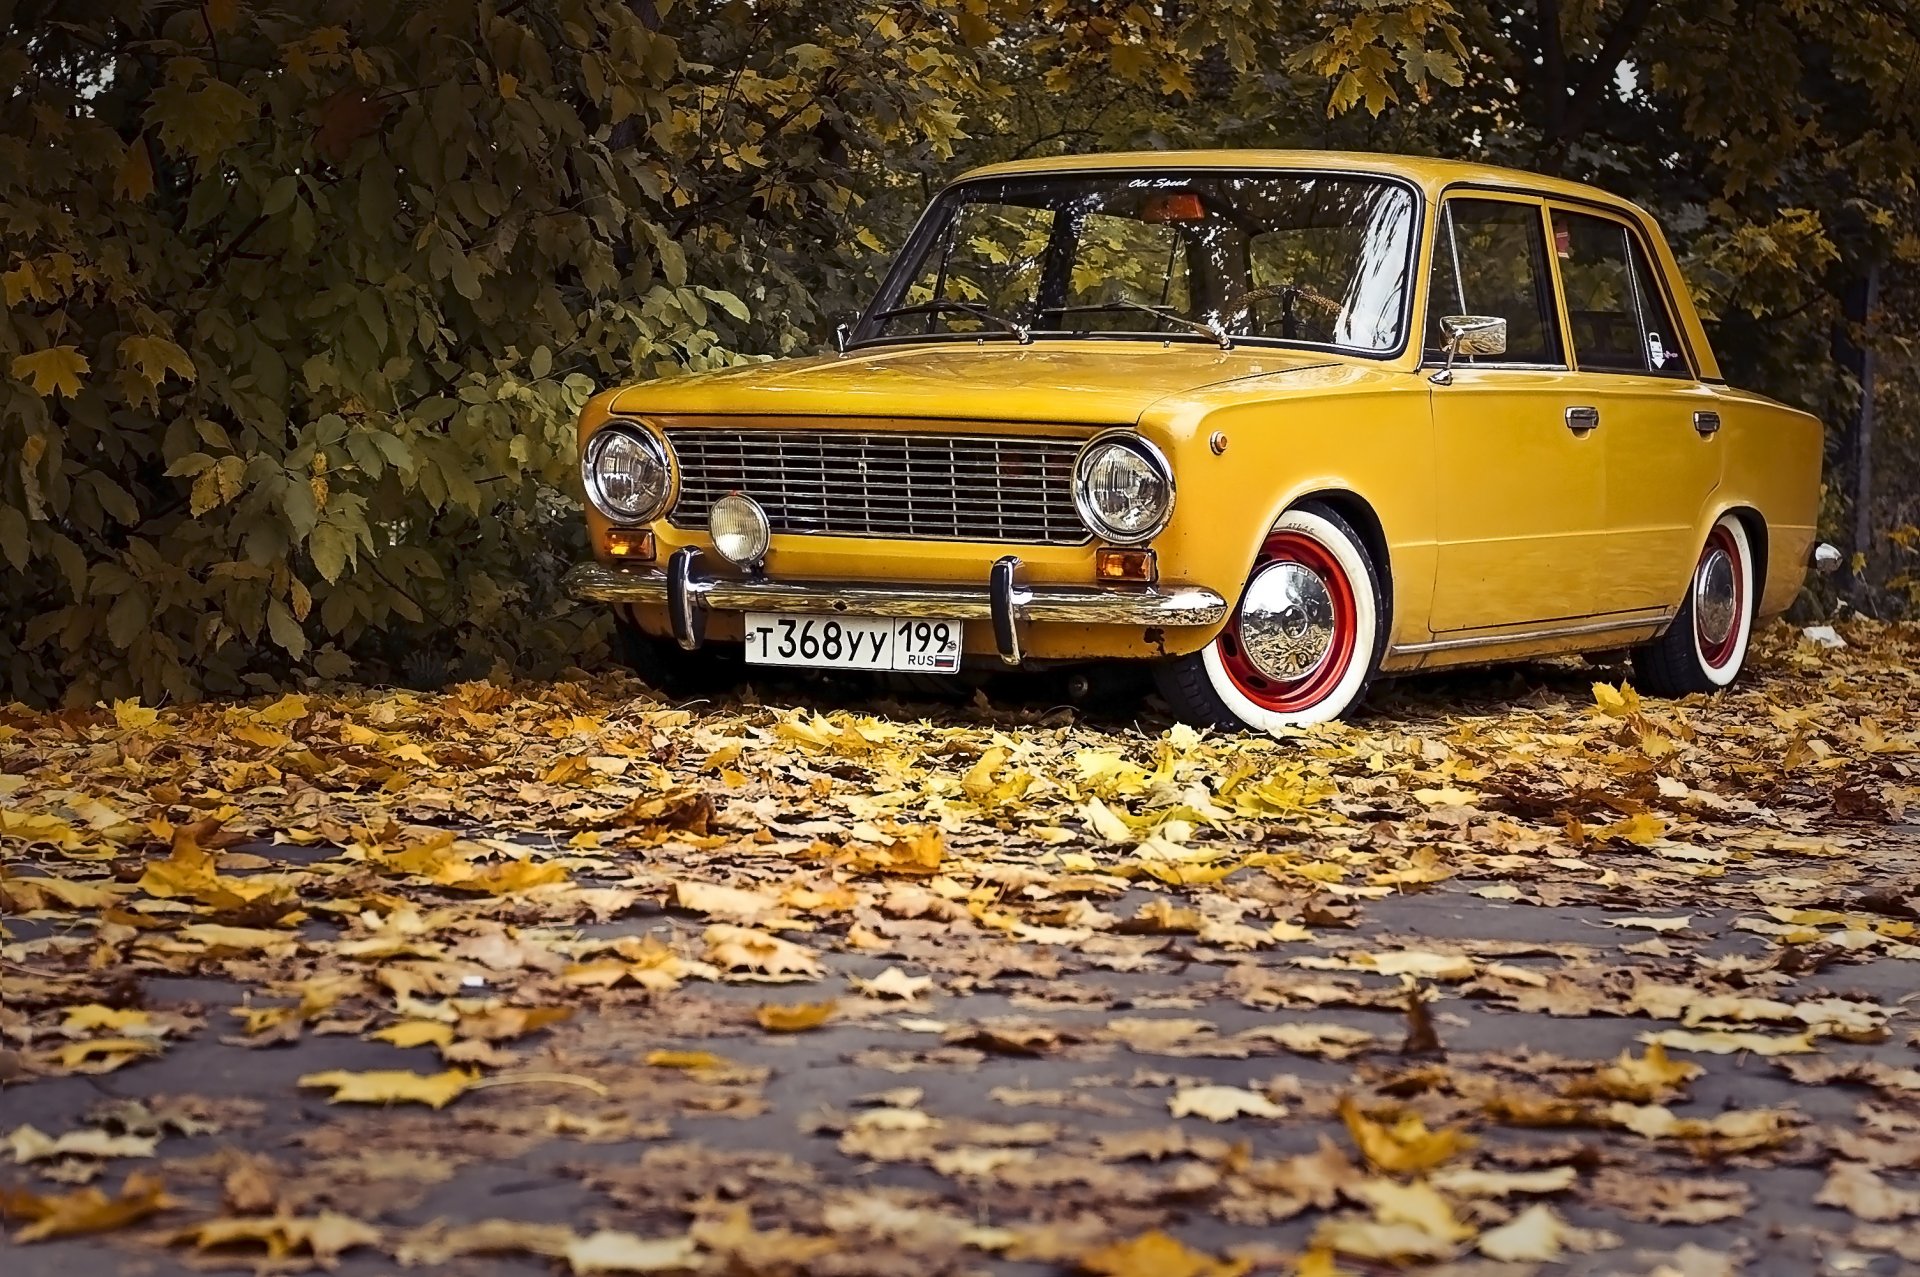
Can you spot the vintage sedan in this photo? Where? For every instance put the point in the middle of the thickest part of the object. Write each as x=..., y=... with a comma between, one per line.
x=1275, y=422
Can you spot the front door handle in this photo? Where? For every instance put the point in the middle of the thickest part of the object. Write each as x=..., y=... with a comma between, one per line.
x=1707, y=423
x=1582, y=419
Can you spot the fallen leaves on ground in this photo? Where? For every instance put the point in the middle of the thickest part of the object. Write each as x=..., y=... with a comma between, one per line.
x=1163, y=961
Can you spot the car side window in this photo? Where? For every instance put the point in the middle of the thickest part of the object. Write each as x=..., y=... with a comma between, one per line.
x=1619, y=317
x=1490, y=258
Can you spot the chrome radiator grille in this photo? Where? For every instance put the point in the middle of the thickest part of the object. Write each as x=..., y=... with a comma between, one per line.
x=938, y=487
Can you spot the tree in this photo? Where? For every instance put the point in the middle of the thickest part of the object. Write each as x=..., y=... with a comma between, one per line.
x=299, y=312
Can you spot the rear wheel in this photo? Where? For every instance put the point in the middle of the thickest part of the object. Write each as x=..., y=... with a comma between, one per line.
x=1302, y=643
x=1706, y=646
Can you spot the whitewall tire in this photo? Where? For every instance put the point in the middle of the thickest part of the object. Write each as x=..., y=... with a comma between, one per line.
x=1302, y=642
x=1705, y=648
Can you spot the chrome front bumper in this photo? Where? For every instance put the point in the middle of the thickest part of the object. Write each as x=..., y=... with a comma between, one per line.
x=688, y=595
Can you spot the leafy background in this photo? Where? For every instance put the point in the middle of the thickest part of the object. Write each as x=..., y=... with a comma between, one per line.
x=301, y=299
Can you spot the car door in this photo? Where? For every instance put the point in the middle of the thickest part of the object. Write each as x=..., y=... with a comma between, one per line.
x=1519, y=488
x=1658, y=425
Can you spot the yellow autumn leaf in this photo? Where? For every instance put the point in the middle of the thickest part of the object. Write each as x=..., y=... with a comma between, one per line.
x=103, y=1055
x=53, y=371
x=1616, y=702
x=155, y=357
x=1156, y=1254
x=411, y=1033
x=687, y=1060
x=88, y=1210
x=1406, y=1147
x=392, y=1086
x=778, y=1017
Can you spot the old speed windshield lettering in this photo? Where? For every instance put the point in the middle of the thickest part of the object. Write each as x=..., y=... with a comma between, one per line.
x=861, y=643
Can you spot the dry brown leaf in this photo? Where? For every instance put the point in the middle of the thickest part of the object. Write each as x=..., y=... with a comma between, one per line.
x=325, y=1236
x=1641, y=1079
x=89, y=1210
x=1661, y=1200
x=759, y=955
x=1866, y=1195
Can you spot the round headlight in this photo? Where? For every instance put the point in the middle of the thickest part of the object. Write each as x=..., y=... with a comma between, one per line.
x=740, y=530
x=627, y=473
x=1123, y=488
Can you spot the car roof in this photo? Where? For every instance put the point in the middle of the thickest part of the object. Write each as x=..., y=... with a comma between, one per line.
x=1431, y=175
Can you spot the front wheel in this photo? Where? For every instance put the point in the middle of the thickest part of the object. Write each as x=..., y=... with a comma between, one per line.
x=1705, y=647
x=1302, y=643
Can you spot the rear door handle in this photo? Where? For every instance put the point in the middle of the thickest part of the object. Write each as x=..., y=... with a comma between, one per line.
x=1706, y=423
x=1582, y=419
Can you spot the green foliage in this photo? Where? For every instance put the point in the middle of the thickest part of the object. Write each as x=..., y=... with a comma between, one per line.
x=301, y=302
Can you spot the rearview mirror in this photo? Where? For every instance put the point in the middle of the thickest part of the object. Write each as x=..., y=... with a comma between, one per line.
x=842, y=336
x=1470, y=335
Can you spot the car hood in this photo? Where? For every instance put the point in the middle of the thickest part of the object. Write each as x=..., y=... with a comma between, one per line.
x=1090, y=382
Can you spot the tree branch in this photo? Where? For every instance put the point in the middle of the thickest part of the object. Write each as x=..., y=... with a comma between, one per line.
x=1553, y=66
x=1586, y=95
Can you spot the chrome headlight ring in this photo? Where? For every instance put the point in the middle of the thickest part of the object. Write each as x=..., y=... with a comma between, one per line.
x=1109, y=464
x=629, y=473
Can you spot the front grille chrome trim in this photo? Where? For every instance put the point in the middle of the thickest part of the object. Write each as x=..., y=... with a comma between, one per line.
x=898, y=484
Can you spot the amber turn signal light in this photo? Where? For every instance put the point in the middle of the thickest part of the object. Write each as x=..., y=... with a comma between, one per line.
x=1120, y=563
x=630, y=545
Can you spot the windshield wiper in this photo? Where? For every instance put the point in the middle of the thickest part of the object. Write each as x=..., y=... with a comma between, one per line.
x=1205, y=327
x=1019, y=331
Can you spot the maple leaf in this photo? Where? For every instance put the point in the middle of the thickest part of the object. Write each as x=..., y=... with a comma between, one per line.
x=88, y=1210
x=392, y=1086
x=1865, y=1195
x=766, y=956
x=55, y=370
x=1641, y=1079
x=1405, y=1147
x=325, y=1236
x=155, y=357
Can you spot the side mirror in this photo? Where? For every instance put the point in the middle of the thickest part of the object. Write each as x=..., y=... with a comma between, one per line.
x=842, y=334
x=1470, y=335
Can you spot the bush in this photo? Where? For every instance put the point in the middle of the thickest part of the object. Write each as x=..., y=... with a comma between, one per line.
x=298, y=315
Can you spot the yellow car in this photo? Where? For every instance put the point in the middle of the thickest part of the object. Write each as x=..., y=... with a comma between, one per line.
x=1275, y=422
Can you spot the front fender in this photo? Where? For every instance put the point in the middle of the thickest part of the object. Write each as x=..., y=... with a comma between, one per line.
x=1341, y=429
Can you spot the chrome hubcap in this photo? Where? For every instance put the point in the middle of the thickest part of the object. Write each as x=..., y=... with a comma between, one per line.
x=1715, y=597
x=1286, y=621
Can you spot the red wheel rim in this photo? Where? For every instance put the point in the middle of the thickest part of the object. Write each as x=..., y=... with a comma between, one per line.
x=1283, y=696
x=1718, y=654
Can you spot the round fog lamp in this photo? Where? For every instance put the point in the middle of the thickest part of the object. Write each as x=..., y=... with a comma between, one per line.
x=740, y=530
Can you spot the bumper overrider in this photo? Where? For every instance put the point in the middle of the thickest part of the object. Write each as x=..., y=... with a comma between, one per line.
x=688, y=593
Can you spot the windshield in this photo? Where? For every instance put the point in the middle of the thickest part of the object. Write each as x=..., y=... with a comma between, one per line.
x=1301, y=258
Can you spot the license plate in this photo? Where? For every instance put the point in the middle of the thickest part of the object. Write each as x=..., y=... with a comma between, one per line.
x=854, y=642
